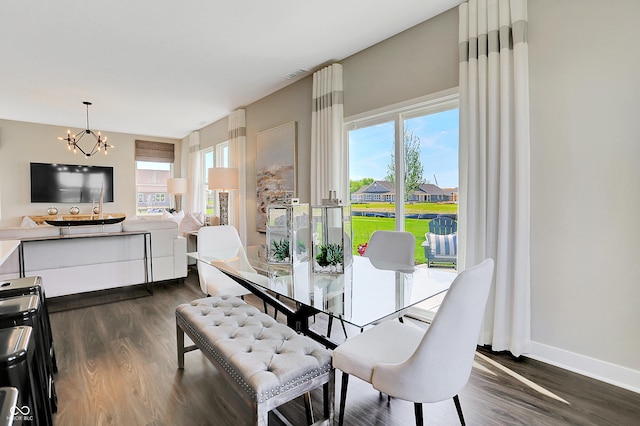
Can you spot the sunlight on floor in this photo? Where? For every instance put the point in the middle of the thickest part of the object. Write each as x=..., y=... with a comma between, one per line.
x=516, y=376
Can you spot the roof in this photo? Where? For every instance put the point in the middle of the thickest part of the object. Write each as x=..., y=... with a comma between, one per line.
x=377, y=187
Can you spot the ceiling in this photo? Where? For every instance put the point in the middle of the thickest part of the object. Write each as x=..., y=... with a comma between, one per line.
x=166, y=68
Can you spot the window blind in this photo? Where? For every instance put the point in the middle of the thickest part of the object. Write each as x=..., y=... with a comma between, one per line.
x=160, y=152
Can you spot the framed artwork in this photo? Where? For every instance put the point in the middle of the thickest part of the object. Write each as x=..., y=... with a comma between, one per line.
x=275, y=169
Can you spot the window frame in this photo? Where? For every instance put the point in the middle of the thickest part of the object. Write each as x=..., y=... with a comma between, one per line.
x=165, y=195
x=204, y=179
x=398, y=113
x=221, y=158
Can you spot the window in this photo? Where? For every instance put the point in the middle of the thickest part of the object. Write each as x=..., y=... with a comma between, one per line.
x=222, y=151
x=407, y=153
x=151, y=187
x=154, y=165
x=207, y=196
x=219, y=158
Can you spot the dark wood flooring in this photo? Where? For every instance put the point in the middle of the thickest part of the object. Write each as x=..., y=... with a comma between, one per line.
x=117, y=366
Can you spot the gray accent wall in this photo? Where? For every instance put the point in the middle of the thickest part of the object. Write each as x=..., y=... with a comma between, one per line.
x=23, y=143
x=419, y=61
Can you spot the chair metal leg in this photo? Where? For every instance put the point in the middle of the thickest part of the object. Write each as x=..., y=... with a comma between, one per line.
x=343, y=397
x=456, y=401
x=417, y=407
x=344, y=329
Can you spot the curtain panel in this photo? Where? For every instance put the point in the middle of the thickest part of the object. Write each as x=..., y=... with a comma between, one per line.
x=328, y=152
x=194, y=174
x=494, y=162
x=237, y=153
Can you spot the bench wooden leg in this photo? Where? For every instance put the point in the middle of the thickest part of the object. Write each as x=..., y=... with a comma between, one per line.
x=328, y=395
x=308, y=408
x=180, y=345
x=262, y=416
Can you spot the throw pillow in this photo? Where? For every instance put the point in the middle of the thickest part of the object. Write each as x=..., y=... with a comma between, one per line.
x=199, y=216
x=27, y=222
x=214, y=220
x=176, y=217
x=443, y=245
x=188, y=224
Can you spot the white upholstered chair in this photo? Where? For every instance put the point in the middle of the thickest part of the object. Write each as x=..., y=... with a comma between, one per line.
x=212, y=281
x=388, y=250
x=406, y=362
x=392, y=250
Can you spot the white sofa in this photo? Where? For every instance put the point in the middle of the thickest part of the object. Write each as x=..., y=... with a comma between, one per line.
x=78, y=265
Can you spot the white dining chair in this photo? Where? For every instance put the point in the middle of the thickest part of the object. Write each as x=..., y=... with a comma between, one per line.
x=212, y=281
x=392, y=250
x=408, y=363
x=387, y=250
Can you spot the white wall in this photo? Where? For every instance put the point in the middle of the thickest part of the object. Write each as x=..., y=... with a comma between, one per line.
x=22, y=143
x=585, y=131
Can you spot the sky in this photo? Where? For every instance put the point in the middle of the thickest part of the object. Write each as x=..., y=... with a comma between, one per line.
x=370, y=148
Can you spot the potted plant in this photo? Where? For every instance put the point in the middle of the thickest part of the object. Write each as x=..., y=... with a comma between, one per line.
x=330, y=258
x=281, y=251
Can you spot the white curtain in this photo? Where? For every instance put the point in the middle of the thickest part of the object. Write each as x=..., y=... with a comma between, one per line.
x=494, y=162
x=196, y=196
x=237, y=151
x=328, y=153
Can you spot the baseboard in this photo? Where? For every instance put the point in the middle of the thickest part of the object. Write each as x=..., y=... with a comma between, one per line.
x=596, y=369
x=97, y=297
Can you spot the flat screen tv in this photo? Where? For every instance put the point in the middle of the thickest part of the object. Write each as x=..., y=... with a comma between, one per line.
x=70, y=183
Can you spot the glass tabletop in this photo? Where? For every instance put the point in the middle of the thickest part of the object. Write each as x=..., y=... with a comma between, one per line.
x=365, y=293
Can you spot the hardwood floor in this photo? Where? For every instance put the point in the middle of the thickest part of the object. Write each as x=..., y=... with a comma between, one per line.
x=117, y=366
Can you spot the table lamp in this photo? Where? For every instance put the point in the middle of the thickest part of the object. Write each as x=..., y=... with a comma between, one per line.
x=178, y=186
x=223, y=179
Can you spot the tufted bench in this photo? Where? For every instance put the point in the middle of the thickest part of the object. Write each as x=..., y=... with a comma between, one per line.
x=266, y=362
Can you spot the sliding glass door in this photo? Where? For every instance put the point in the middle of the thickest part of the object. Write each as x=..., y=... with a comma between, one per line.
x=403, y=170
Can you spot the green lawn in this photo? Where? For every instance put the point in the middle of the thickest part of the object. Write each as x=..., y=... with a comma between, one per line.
x=363, y=227
x=438, y=208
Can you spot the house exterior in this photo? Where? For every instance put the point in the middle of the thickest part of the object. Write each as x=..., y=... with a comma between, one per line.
x=384, y=191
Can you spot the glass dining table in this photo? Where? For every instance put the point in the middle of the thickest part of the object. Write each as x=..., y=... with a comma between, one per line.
x=366, y=293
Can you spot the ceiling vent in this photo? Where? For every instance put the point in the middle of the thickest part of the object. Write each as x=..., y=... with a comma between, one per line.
x=296, y=74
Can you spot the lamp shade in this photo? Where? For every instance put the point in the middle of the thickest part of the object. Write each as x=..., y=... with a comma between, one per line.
x=177, y=186
x=223, y=178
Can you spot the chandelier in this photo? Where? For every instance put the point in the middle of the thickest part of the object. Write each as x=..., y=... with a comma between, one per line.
x=73, y=140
